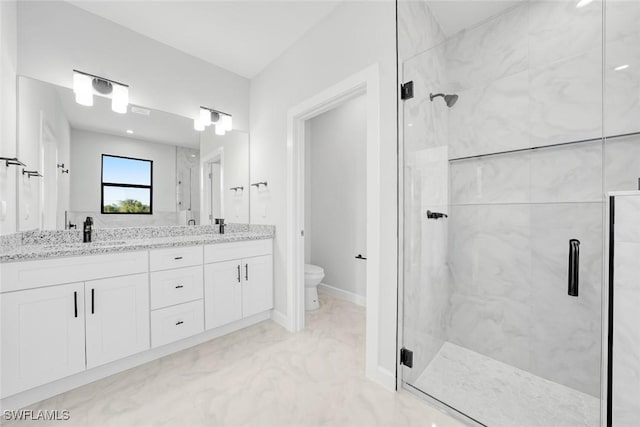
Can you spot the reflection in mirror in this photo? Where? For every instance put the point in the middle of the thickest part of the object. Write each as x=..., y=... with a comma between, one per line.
x=225, y=177
x=99, y=163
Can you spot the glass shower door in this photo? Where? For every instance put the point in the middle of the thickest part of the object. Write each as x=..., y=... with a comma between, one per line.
x=503, y=209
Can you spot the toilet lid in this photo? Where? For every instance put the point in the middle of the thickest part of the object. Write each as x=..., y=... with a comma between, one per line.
x=310, y=268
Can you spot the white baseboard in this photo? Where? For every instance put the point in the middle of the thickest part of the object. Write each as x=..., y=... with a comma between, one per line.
x=281, y=319
x=383, y=377
x=46, y=391
x=342, y=294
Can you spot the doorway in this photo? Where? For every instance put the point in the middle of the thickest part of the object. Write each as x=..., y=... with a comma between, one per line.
x=335, y=203
x=365, y=83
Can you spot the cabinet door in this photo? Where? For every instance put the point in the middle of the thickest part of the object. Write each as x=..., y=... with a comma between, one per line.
x=117, y=311
x=257, y=289
x=222, y=293
x=42, y=336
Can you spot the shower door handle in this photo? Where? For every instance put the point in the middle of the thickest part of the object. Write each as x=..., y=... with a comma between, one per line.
x=574, y=266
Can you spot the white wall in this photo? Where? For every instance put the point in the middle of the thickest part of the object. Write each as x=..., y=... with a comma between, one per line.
x=55, y=37
x=336, y=187
x=87, y=149
x=8, y=64
x=233, y=150
x=329, y=53
x=40, y=107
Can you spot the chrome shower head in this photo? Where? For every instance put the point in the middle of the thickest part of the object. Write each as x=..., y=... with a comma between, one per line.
x=450, y=100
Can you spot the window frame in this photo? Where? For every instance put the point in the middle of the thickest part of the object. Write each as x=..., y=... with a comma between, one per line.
x=104, y=184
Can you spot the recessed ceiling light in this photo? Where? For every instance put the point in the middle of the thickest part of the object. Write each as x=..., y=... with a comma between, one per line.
x=622, y=67
x=583, y=3
x=129, y=131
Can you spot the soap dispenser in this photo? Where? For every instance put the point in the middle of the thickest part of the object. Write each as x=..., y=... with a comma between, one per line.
x=86, y=231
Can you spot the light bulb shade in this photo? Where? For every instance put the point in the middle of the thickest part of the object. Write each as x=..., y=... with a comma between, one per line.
x=119, y=98
x=83, y=89
x=197, y=125
x=205, y=116
x=220, y=129
x=227, y=122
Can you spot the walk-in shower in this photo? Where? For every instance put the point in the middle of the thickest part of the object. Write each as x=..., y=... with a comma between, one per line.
x=503, y=200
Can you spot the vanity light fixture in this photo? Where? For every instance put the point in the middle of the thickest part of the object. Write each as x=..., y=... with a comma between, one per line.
x=208, y=116
x=86, y=85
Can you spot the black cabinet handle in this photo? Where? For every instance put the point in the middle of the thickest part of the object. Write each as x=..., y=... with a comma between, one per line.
x=359, y=256
x=178, y=257
x=179, y=322
x=239, y=279
x=75, y=304
x=574, y=266
x=92, y=301
x=179, y=286
x=246, y=272
x=436, y=215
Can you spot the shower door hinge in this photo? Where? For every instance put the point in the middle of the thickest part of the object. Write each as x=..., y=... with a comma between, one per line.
x=406, y=357
x=406, y=90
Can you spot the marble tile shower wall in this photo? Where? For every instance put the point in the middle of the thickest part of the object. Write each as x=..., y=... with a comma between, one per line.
x=530, y=77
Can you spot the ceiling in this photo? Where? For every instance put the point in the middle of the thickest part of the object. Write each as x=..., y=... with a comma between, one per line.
x=457, y=15
x=158, y=126
x=240, y=36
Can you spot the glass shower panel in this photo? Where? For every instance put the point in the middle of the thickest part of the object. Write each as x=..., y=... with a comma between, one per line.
x=501, y=172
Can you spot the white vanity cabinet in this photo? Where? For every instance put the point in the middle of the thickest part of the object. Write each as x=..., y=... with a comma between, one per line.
x=238, y=281
x=117, y=318
x=108, y=312
x=42, y=336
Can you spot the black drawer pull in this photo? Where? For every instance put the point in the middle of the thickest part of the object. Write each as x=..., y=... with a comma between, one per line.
x=246, y=272
x=179, y=322
x=75, y=304
x=178, y=257
x=239, y=279
x=179, y=286
x=92, y=301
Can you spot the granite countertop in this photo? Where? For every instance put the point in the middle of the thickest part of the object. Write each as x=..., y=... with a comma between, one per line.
x=49, y=249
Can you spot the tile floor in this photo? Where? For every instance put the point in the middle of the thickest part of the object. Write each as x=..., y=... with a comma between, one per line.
x=260, y=376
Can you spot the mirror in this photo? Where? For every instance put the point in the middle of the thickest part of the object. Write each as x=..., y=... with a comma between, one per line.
x=124, y=170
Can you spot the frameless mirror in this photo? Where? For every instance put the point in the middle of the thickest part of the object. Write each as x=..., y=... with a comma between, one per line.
x=139, y=168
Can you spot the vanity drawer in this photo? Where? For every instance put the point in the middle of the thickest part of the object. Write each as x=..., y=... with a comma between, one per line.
x=177, y=322
x=165, y=259
x=171, y=287
x=237, y=250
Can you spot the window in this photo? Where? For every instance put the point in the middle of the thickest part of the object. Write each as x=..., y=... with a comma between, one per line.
x=127, y=185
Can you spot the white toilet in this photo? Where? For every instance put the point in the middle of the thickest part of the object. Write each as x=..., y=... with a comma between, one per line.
x=313, y=275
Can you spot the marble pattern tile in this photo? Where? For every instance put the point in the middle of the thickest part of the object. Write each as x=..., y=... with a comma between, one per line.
x=627, y=226
x=558, y=30
x=425, y=122
x=418, y=30
x=259, y=376
x=491, y=118
x=499, y=395
x=622, y=17
x=566, y=100
x=622, y=87
x=621, y=159
x=626, y=337
x=495, y=179
x=566, y=336
x=567, y=174
x=488, y=52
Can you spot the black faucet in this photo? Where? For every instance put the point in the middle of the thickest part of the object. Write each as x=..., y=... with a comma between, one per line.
x=220, y=222
x=86, y=234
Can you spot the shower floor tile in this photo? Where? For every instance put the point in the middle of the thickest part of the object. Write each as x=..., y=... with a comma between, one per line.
x=499, y=395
